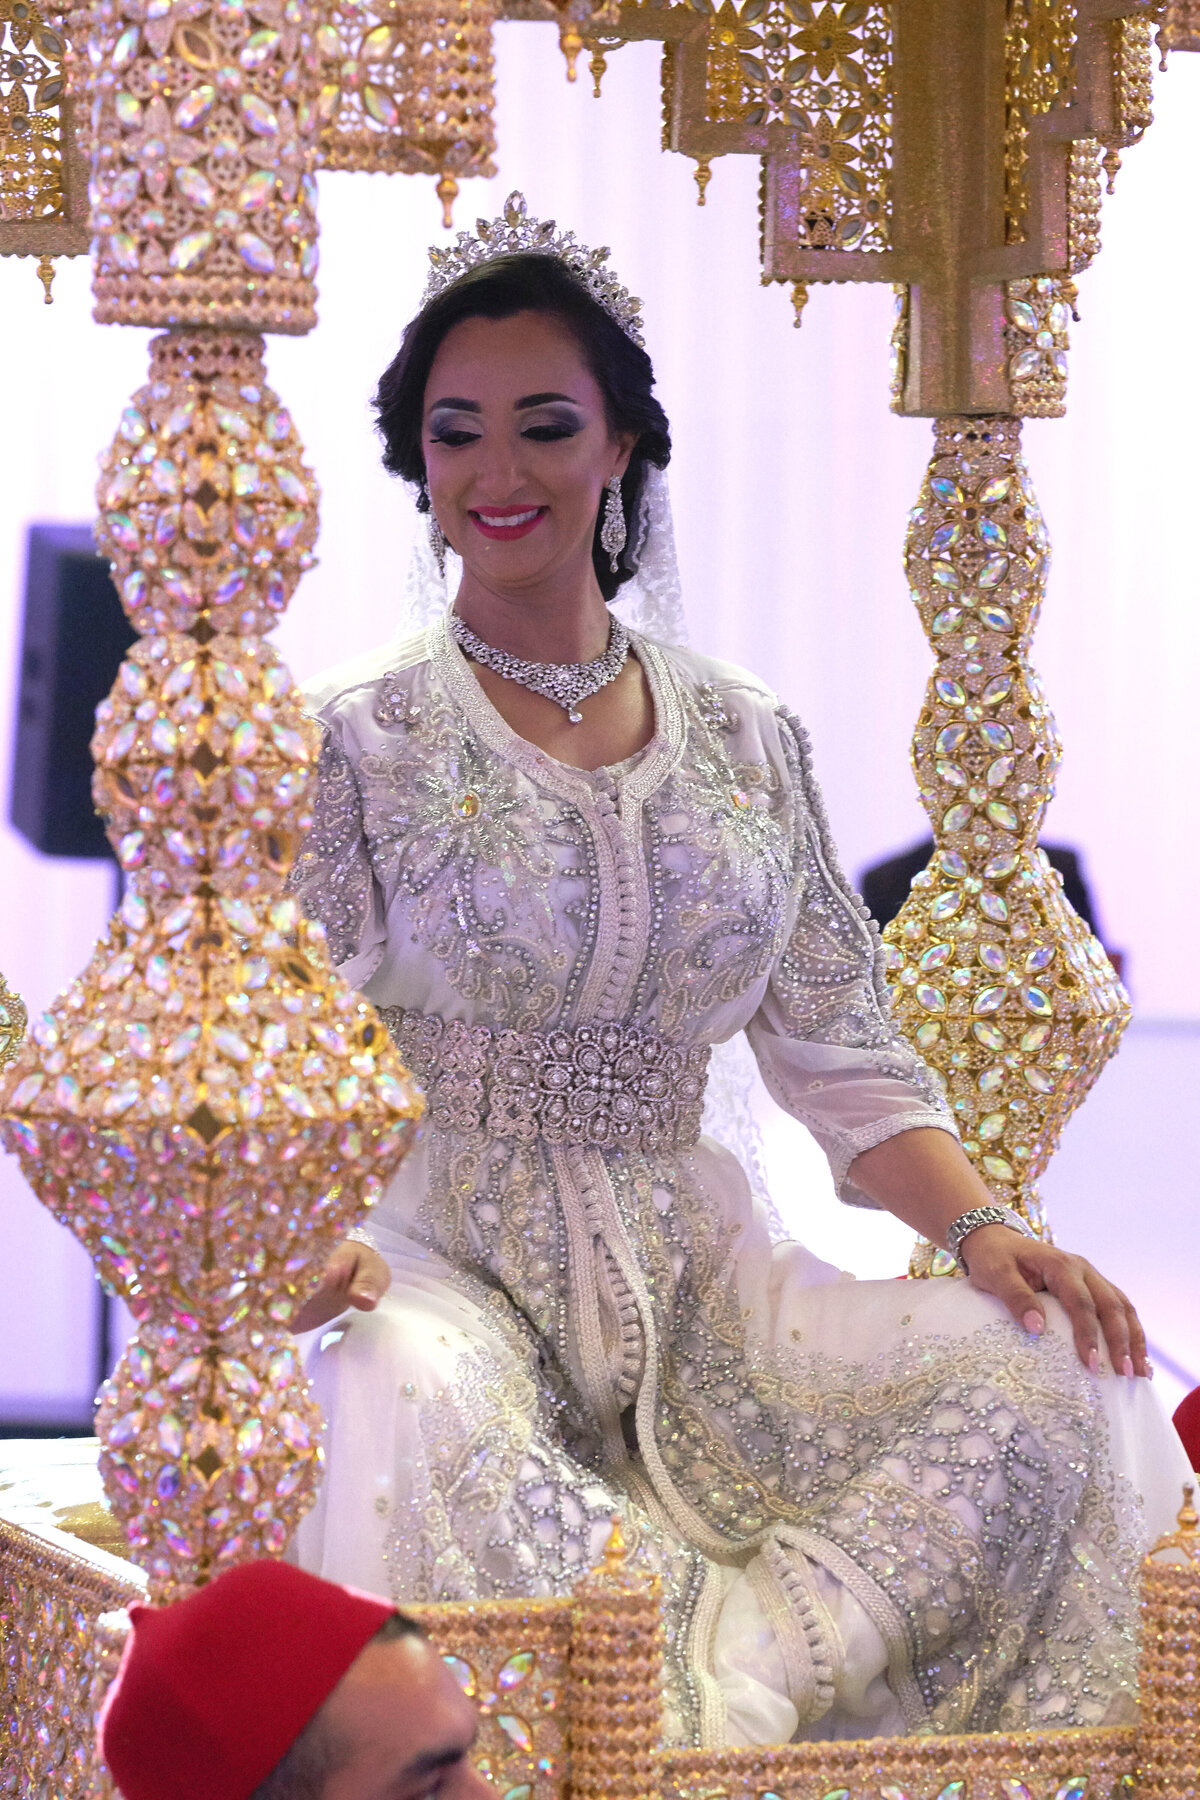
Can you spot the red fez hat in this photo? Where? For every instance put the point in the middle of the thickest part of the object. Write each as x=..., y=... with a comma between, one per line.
x=215, y=1689
x=1187, y=1424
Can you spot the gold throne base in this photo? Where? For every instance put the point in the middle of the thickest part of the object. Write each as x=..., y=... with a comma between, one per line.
x=568, y=1689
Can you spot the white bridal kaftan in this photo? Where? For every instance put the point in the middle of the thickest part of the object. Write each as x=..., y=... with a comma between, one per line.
x=877, y=1506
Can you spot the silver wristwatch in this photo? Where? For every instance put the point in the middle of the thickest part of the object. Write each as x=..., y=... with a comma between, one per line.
x=967, y=1222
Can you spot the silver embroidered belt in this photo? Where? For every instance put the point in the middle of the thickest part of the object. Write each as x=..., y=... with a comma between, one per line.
x=606, y=1085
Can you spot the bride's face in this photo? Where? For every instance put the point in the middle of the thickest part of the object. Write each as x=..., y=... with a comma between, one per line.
x=517, y=449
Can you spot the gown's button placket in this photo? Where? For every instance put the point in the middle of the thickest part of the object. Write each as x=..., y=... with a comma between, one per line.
x=626, y=947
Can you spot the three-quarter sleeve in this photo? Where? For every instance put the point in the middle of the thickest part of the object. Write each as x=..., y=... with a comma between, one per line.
x=332, y=877
x=829, y=1050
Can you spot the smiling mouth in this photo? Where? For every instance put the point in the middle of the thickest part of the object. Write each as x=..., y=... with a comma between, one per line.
x=505, y=523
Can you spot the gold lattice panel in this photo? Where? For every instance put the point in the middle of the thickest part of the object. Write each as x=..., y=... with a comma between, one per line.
x=811, y=85
x=43, y=178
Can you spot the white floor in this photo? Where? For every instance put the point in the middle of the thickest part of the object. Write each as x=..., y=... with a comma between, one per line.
x=1123, y=1189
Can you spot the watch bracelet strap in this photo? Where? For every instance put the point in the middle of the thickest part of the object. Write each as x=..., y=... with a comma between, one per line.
x=961, y=1228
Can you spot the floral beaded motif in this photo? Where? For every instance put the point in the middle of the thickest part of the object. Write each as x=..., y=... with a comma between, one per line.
x=606, y=1085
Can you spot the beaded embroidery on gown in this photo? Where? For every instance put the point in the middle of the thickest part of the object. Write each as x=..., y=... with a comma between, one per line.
x=876, y=1506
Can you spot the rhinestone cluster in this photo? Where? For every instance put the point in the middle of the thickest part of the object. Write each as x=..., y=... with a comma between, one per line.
x=203, y=144
x=1002, y=988
x=567, y=684
x=408, y=89
x=515, y=233
x=513, y=1664
x=1037, y=317
x=607, y=1085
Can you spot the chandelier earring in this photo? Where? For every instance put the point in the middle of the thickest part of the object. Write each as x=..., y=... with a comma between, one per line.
x=437, y=537
x=612, y=532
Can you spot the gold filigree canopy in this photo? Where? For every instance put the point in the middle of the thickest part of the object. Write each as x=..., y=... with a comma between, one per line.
x=952, y=150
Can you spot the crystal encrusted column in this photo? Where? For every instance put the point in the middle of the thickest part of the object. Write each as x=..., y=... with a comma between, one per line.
x=1004, y=990
x=209, y=1106
x=203, y=122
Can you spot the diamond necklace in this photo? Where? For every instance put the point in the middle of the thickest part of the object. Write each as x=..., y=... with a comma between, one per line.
x=565, y=683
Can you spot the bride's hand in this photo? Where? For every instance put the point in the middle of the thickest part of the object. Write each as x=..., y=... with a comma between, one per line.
x=355, y=1275
x=1018, y=1270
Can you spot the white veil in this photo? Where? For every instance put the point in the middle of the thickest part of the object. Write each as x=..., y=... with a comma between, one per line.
x=650, y=603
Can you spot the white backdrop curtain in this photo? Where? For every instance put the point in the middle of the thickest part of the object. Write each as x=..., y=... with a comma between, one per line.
x=791, y=485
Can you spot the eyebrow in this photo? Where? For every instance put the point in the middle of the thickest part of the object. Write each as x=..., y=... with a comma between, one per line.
x=455, y=403
x=432, y=1760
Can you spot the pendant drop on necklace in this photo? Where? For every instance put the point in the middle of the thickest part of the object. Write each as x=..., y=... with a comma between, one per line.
x=567, y=684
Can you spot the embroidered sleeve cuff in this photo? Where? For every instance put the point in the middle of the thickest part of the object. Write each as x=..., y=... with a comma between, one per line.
x=853, y=1143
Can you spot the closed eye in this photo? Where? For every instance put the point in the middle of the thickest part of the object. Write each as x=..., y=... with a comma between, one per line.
x=454, y=435
x=551, y=433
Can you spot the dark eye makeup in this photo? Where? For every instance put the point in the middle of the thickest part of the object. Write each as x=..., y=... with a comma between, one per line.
x=548, y=425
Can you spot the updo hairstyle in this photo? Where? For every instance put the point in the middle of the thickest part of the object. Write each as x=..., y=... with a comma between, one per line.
x=528, y=282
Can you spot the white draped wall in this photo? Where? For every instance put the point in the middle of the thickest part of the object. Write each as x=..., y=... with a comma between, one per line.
x=791, y=484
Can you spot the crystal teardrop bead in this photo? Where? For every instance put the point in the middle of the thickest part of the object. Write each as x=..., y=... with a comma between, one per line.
x=1024, y=365
x=992, y=572
x=195, y=107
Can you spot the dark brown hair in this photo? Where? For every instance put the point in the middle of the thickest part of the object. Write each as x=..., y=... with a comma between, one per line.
x=529, y=282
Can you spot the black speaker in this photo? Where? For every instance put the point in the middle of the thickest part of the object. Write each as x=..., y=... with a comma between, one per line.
x=74, y=637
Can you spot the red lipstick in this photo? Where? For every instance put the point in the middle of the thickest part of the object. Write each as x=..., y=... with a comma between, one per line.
x=504, y=523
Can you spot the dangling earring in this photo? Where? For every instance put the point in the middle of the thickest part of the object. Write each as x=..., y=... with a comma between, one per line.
x=612, y=532
x=437, y=539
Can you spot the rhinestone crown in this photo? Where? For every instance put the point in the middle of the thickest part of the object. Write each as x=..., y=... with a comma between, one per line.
x=515, y=232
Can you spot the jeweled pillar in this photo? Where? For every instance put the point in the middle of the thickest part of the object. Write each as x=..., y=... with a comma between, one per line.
x=1003, y=988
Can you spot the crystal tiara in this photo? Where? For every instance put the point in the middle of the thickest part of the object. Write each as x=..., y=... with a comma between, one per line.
x=515, y=232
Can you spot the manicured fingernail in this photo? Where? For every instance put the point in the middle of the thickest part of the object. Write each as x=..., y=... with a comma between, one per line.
x=1149, y=1371
x=1094, y=1361
x=1127, y=1366
x=1034, y=1323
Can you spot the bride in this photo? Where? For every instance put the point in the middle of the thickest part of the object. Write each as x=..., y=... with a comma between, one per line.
x=565, y=859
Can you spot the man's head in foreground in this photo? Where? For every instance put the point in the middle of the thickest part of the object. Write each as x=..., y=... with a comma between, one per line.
x=269, y=1684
